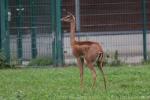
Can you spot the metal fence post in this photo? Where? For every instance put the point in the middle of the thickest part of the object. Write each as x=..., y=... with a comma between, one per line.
x=33, y=34
x=2, y=12
x=56, y=32
x=59, y=33
x=1, y=3
x=77, y=13
x=19, y=21
x=144, y=11
x=54, y=49
x=4, y=29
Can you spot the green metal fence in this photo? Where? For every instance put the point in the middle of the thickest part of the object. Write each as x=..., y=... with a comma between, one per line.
x=32, y=28
x=4, y=33
x=147, y=27
x=119, y=25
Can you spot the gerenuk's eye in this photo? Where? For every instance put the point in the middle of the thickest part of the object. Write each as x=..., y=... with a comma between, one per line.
x=68, y=16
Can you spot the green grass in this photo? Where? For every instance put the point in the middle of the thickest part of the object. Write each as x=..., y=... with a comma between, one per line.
x=124, y=83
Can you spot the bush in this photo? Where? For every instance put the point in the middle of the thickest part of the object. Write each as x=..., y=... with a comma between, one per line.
x=112, y=59
x=116, y=61
x=41, y=61
x=146, y=62
x=3, y=62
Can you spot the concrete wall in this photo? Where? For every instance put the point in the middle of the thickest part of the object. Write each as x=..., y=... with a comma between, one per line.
x=128, y=44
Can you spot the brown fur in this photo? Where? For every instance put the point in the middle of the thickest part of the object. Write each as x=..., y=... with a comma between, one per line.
x=85, y=50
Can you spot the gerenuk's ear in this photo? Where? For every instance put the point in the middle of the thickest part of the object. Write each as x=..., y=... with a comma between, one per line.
x=68, y=13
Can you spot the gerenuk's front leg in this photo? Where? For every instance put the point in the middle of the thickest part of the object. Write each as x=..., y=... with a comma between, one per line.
x=80, y=64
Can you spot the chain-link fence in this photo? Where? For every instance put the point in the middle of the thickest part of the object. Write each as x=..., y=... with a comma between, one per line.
x=35, y=28
x=148, y=24
x=116, y=24
x=30, y=29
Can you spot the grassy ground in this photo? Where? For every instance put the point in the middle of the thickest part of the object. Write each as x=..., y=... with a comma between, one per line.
x=124, y=83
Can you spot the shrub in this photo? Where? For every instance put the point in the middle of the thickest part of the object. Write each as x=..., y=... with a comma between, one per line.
x=146, y=62
x=148, y=59
x=41, y=61
x=3, y=62
x=112, y=59
x=116, y=61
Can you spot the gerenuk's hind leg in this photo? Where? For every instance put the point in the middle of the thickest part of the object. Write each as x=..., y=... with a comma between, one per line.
x=100, y=66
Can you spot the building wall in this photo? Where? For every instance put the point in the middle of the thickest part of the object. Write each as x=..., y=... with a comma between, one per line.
x=108, y=15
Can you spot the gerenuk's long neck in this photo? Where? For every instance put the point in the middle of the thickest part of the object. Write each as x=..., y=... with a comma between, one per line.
x=72, y=31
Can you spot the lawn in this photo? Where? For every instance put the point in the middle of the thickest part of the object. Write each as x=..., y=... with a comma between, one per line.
x=124, y=83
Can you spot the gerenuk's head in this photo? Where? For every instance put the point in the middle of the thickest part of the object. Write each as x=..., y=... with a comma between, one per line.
x=68, y=18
